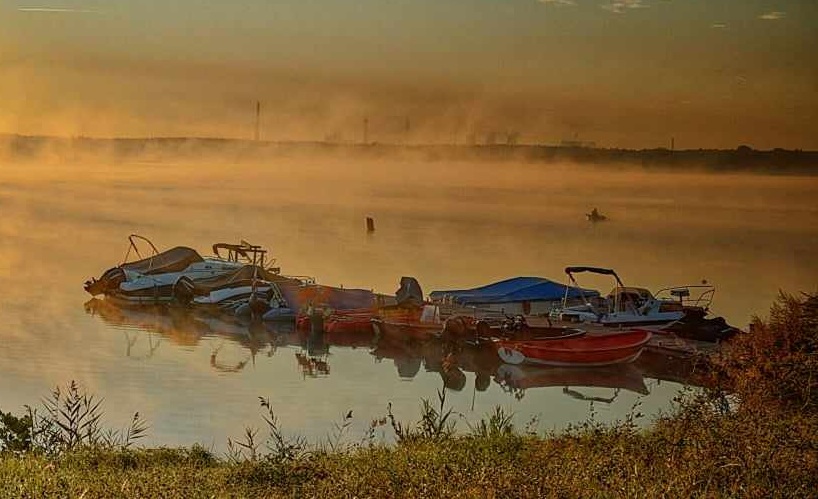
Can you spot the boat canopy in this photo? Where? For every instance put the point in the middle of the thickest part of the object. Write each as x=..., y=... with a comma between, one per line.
x=173, y=260
x=516, y=289
x=595, y=270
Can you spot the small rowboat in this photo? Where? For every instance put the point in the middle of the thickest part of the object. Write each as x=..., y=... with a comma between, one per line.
x=586, y=350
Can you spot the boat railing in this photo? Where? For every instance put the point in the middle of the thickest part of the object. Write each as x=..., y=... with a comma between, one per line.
x=696, y=295
x=450, y=309
x=242, y=252
x=305, y=279
x=132, y=246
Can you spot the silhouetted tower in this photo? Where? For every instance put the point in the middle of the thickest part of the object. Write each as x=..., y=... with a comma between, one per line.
x=258, y=120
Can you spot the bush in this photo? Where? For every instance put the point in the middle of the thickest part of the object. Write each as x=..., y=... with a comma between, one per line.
x=774, y=367
x=15, y=433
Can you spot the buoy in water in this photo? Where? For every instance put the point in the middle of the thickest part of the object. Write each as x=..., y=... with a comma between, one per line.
x=370, y=224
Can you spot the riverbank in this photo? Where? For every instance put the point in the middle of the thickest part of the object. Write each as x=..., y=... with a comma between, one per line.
x=683, y=457
x=761, y=440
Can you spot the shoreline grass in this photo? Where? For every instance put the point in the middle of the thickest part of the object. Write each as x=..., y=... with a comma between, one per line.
x=752, y=433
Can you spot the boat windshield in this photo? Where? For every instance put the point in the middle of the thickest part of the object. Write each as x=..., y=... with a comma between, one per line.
x=625, y=298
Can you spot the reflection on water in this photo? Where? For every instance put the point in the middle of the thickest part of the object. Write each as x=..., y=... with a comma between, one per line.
x=451, y=225
x=182, y=328
x=450, y=360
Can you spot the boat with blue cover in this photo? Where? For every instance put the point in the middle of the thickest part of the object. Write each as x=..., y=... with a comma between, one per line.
x=517, y=295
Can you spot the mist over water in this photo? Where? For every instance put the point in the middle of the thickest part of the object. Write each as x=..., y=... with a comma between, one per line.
x=449, y=224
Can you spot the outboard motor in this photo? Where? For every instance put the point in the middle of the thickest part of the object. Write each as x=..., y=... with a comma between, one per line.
x=409, y=293
x=259, y=304
x=514, y=324
x=184, y=290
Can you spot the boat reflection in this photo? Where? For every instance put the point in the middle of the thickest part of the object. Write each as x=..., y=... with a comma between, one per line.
x=182, y=328
x=452, y=360
x=178, y=326
x=312, y=367
x=682, y=369
x=224, y=367
x=517, y=379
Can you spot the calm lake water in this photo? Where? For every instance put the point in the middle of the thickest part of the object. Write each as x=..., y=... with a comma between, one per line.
x=450, y=225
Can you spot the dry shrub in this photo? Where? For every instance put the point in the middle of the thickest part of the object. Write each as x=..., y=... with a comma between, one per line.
x=775, y=365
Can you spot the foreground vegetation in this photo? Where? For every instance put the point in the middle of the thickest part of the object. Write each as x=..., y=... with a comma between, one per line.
x=753, y=433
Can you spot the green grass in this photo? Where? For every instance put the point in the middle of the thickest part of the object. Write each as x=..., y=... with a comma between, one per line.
x=679, y=458
x=760, y=441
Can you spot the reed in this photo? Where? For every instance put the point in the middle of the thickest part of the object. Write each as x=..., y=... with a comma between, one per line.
x=70, y=419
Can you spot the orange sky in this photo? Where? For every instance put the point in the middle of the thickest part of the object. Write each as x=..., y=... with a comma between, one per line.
x=621, y=73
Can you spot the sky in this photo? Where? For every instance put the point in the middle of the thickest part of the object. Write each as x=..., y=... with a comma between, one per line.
x=619, y=73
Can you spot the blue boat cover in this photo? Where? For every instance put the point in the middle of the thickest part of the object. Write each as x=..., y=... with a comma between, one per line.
x=516, y=289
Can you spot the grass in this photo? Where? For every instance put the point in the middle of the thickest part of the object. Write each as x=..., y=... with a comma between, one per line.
x=754, y=433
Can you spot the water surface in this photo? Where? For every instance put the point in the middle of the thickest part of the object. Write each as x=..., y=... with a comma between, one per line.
x=450, y=225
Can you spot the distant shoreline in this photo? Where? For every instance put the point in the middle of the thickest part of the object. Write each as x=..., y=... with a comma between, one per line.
x=741, y=159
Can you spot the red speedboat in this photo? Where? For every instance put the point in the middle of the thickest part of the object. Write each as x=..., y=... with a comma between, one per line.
x=587, y=350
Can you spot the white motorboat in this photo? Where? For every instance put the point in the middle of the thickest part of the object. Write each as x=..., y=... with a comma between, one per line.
x=633, y=306
x=152, y=280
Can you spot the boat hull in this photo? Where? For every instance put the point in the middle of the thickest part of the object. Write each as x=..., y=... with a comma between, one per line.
x=348, y=325
x=602, y=350
x=406, y=330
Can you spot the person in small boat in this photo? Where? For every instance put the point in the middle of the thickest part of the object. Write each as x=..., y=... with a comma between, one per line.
x=595, y=216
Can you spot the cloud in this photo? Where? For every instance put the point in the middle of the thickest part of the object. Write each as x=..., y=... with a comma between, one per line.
x=56, y=10
x=773, y=16
x=718, y=26
x=620, y=6
x=558, y=3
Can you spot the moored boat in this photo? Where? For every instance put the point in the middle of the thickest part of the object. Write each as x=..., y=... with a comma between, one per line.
x=634, y=306
x=515, y=328
x=349, y=321
x=586, y=350
x=151, y=280
x=517, y=295
x=417, y=326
